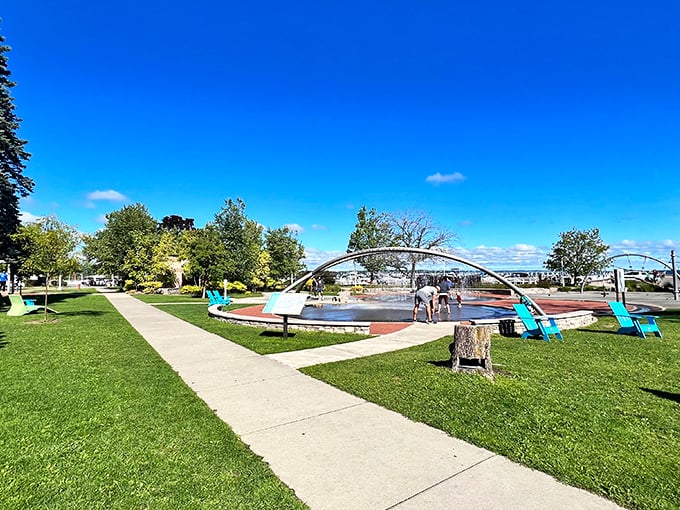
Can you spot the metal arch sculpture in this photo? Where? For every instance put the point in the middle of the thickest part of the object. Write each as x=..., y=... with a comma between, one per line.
x=671, y=267
x=641, y=256
x=297, y=284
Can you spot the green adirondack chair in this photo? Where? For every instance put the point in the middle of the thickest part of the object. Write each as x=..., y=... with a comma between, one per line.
x=632, y=323
x=19, y=307
x=537, y=326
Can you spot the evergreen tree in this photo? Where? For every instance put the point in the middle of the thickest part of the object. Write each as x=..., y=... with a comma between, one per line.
x=12, y=161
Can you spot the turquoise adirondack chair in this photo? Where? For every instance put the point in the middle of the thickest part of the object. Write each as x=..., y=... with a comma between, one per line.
x=216, y=299
x=631, y=323
x=537, y=326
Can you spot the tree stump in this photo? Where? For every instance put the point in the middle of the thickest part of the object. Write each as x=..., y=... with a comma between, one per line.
x=471, y=350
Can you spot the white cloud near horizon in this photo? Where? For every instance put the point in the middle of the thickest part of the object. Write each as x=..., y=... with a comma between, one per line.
x=27, y=217
x=294, y=227
x=520, y=256
x=110, y=195
x=439, y=178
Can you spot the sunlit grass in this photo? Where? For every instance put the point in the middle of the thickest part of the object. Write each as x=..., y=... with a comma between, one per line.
x=260, y=340
x=600, y=411
x=91, y=417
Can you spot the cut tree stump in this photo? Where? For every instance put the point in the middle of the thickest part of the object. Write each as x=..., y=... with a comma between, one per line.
x=471, y=350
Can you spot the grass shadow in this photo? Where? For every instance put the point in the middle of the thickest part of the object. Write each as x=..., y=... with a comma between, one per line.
x=83, y=313
x=601, y=331
x=443, y=363
x=278, y=334
x=674, y=397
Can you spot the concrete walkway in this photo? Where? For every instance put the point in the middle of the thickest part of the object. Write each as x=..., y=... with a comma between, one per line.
x=337, y=451
x=416, y=334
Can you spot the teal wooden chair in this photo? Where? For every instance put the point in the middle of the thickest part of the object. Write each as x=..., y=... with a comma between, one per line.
x=537, y=326
x=634, y=324
x=216, y=299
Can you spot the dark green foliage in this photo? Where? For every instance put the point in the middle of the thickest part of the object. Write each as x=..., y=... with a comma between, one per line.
x=110, y=247
x=242, y=240
x=285, y=251
x=176, y=223
x=372, y=230
x=578, y=253
x=13, y=158
x=9, y=218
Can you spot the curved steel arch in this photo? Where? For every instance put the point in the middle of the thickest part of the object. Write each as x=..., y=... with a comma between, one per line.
x=297, y=284
x=642, y=256
x=675, y=272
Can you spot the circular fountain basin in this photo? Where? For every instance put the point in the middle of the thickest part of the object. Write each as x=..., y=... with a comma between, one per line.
x=397, y=308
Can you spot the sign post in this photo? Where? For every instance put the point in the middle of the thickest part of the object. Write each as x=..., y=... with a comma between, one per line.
x=620, y=285
x=285, y=304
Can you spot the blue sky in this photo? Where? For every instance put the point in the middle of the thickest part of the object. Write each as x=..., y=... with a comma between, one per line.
x=508, y=122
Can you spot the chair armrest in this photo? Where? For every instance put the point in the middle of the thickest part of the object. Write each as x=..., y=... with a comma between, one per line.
x=640, y=316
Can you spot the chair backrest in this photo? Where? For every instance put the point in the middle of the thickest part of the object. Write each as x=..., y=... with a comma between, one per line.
x=525, y=316
x=18, y=306
x=621, y=313
x=16, y=301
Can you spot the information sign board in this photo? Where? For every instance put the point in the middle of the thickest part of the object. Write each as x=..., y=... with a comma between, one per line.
x=285, y=303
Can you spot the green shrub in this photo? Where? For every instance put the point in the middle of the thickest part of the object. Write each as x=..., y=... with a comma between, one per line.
x=332, y=288
x=129, y=285
x=194, y=290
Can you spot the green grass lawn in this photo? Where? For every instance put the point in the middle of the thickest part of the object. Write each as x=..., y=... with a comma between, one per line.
x=259, y=340
x=154, y=299
x=157, y=299
x=598, y=411
x=91, y=417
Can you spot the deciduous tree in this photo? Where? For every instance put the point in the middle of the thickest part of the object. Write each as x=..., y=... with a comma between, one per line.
x=417, y=229
x=109, y=247
x=207, y=255
x=372, y=230
x=285, y=251
x=49, y=246
x=578, y=253
x=242, y=239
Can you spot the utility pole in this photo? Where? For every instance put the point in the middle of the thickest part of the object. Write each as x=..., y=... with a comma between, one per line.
x=675, y=276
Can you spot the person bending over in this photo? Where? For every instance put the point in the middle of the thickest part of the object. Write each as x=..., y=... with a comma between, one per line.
x=428, y=296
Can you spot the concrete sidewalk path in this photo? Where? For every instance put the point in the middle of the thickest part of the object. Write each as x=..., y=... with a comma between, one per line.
x=417, y=333
x=337, y=451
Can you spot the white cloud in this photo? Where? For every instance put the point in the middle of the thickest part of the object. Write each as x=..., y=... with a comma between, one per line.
x=101, y=219
x=27, y=217
x=439, y=178
x=110, y=195
x=319, y=227
x=294, y=227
